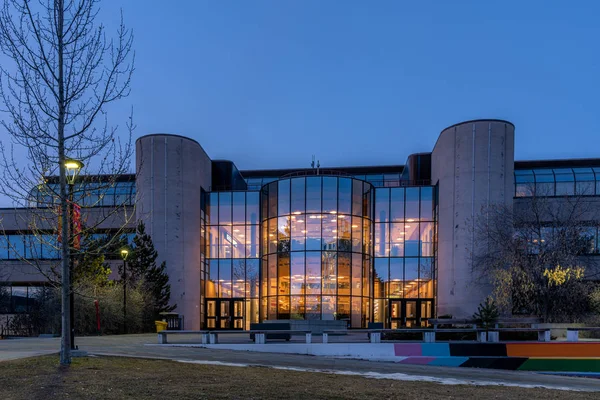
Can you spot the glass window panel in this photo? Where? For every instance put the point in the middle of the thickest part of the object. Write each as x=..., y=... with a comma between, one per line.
x=345, y=196
x=563, y=175
x=213, y=240
x=382, y=236
x=412, y=203
x=283, y=268
x=283, y=307
x=313, y=272
x=238, y=241
x=313, y=308
x=273, y=228
x=313, y=232
x=357, y=234
x=524, y=176
x=343, y=308
x=366, y=234
x=328, y=308
x=224, y=278
x=264, y=277
x=343, y=273
x=49, y=247
x=367, y=276
x=224, y=208
x=298, y=232
x=411, y=275
x=396, y=204
x=329, y=229
x=544, y=175
x=239, y=278
x=283, y=234
x=239, y=208
x=272, y=275
x=32, y=247
x=411, y=239
x=344, y=233
x=313, y=194
x=565, y=188
x=264, y=204
x=265, y=237
x=297, y=272
x=17, y=247
x=396, y=275
x=225, y=242
x=357, y=316
x=252, y=278
x=284, y=197
x=272, y=301
x=585, y=188
x=380, y=310
x=426, y=203
x=397, y=238
x=357, y=197
x=297, y=307
x=298, y=195
x=272, y=199
x=426, y=278
x=356, y=274
x=19, y=299
x=251, y=240
x=382, y=205
x=524, y=189
x=330, y=195
x=252, y=208
x=381, y=278
x=426, y=239
x=329, y=272
x=544, y=189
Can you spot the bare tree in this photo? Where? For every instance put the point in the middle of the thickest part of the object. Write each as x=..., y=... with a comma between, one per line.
x=535, y=255
x=64, y=73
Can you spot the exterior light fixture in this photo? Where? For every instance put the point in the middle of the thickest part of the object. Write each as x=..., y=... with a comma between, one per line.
x=73, y=167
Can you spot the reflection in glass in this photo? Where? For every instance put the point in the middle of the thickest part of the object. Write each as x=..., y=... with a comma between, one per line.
x=313, y=194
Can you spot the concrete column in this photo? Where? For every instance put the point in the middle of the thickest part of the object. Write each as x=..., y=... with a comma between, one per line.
x=472, y=163
x=171, y=170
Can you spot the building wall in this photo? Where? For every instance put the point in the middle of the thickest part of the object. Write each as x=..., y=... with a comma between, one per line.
x=473, y=165
x=171, y=171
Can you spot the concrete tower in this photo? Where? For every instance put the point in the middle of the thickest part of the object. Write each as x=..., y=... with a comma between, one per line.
x=171, y=170
x=473, y=163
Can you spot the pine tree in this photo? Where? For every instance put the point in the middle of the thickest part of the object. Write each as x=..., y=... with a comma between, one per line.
x=142, y=269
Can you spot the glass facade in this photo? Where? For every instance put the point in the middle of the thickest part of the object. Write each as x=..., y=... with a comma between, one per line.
x=557, y=182
x=325, y=247
x=316, y=246
x=232, y=249
x=404, y=267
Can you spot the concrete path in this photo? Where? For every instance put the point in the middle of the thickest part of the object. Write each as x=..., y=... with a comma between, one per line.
x=144, y=346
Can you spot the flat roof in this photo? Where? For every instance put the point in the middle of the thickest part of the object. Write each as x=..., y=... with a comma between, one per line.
x=563, y=163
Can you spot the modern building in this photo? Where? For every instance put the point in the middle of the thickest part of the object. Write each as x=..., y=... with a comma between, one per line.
x=367, y=244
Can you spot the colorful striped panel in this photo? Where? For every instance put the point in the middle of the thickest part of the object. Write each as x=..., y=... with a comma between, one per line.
x=555, y=350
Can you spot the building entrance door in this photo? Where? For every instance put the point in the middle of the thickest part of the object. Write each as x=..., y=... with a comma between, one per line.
x=225, y=313
x=407, y=312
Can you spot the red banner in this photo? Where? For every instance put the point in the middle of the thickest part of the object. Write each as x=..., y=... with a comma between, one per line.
x=76, y=224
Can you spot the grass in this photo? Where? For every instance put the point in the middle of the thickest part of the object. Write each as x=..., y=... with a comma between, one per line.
x=118, y=378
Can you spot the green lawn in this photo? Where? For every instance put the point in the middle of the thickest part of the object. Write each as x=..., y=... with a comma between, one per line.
x=117, y=378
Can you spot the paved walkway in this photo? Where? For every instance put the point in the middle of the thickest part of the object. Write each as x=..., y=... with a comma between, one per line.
x=145, y=346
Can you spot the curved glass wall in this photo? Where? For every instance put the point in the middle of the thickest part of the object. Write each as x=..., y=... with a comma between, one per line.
x=316, y=241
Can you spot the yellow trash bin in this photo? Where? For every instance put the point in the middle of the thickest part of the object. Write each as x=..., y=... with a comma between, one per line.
x=160, y=326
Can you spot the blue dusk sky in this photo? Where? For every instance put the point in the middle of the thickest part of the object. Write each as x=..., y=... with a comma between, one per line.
x=267, y=84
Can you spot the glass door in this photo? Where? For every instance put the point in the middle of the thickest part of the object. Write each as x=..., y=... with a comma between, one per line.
x=225, y=313
x=396, y=314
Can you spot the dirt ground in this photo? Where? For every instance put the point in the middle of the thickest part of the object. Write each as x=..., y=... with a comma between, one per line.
x=118, y=378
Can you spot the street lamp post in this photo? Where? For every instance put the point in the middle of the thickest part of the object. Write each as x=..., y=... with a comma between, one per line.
x=124, y=254
x=73, y=167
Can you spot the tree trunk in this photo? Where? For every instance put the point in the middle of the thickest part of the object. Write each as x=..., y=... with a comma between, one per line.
x=65, y=340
